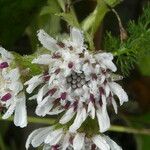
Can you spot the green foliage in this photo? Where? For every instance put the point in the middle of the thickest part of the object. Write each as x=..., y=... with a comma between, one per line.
x=134, y=50
x=47, y=20
x=15, y=16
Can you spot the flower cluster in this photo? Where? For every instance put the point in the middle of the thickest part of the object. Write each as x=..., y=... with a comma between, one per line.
x=77, y=85
x=12, y=97
x=56, y=139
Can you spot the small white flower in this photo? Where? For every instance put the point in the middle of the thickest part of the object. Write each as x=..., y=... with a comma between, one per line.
x=12, y=97
x=60, y=139
x=77, y=82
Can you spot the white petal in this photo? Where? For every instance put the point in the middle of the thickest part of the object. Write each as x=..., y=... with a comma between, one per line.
x=113, y=145
x=106, y=59
x=56, y=111
x=66, y=141
x=5, y=54
x=20, y=116
x=54, y=137
x=80, y=118
x=114, y=105
x=13, y=75
x=40, y=137
x=16, y=87
x=107, y=90
x=32, y=135
x=118, y=90
x=41, y=93
x=44, y=59
x=78, y=141
x=47, y=41
x=77, y=36
x=103, y=120
x=44, y=107
x=67, y=116
x=100, y=142
x=10, y=111
x=33, y=83
x=91, y=110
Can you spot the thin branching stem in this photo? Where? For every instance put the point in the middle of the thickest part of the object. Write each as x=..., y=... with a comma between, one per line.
x=114, y=128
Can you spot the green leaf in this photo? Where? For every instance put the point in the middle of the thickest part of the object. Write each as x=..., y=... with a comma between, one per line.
x=15, y=16
x=69, y=18
x=112, y=3
x=95, y=18
x=144, y=65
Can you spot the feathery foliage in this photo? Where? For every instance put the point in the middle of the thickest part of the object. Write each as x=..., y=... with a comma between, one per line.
x=135, y=50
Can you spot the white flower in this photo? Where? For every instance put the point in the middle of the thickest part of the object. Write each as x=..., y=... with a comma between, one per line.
x=59, y=139
x=77, y=82
x=12, y=97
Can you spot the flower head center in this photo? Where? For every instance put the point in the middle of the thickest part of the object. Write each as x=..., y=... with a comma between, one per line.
x=76, y=80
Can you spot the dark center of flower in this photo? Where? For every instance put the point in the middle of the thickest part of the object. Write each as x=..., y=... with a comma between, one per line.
x=76, y=80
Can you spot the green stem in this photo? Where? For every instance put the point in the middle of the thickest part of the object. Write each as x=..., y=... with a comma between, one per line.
x=114, y=128
x=35, y=120
x=129, y=130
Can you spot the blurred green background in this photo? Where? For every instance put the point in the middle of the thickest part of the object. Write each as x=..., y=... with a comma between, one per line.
x=19, y=22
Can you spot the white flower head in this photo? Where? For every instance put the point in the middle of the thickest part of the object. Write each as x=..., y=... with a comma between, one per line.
x=12, y=97
x=59, y=139
x=78, y=82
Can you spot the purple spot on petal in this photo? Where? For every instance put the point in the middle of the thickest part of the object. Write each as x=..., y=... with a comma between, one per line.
x=92, y=99
x=94, y=76
x=3, y=65
x=67, y=105
x=56, y=56
x=101, y=91
x=55, y=147
x=6, y=97
x=56, y=101
x=52, y=91
x=75, y=105
x=70, y=65
x=61, y=44
x=57, y=71
x=93, y=147
x=63, y=95
x=46, y=77
x=100, y=101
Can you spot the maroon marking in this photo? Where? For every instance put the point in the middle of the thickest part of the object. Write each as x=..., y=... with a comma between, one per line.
x=104, y=71
x=100, y=101
x=56, y=56
x=75, y=105
x=63, y=95
x=46, y=77
x=6, y=97
x=71, y=48
x=70, y=65
x=50, y=92
x=56, y=101
x=3, y=65
x=71, y=140
x=93, y=147
x=55, y=147
x=57, y=71
x=101, y=91
x=94, y=76
x=67, y=105
x=61, y=44
x=81, y=55
x=92, y=99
